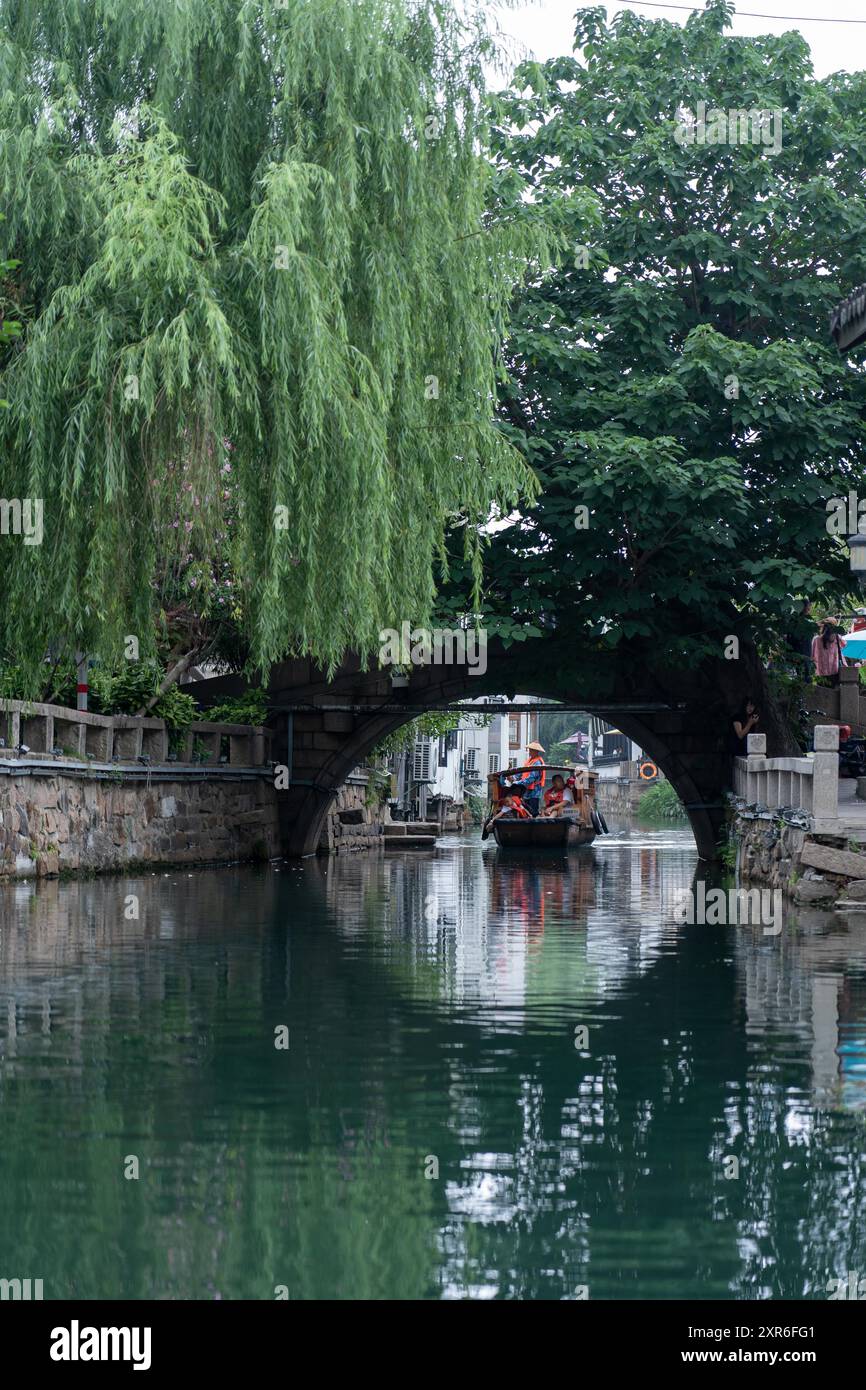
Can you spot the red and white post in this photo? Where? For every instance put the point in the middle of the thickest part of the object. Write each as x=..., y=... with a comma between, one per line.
x=82, y=686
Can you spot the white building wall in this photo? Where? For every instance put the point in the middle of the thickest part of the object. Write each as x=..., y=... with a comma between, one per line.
x=449, y=779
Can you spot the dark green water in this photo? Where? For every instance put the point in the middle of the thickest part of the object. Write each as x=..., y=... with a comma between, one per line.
x=431, y=1002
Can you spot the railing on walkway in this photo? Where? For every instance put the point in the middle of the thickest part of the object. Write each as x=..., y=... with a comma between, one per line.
x=53, y=731
x=808, y=785
x=846, y=702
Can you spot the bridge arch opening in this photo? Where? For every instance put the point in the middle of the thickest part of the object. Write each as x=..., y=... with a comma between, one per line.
x=305, y=806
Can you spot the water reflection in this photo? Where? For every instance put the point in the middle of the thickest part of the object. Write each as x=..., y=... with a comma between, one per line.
x=432, y=1001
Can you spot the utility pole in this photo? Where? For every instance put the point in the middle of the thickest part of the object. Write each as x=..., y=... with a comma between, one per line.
x=82, y=687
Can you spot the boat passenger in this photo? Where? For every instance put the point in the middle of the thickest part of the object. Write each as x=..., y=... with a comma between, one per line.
x=512, y=805
x=531, y=782
x=554, y=800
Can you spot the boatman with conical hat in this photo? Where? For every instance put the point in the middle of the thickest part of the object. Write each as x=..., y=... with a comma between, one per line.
x=531, y=780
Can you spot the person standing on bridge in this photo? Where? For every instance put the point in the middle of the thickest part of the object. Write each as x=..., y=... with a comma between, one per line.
x=827, y=650
x=743, y=725
x=531, y=781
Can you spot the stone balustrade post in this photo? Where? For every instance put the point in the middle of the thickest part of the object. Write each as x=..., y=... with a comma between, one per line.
x=825, y=772
x=849, y=695
x=757, y=752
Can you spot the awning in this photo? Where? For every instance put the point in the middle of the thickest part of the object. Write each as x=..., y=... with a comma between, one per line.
x=854, y=647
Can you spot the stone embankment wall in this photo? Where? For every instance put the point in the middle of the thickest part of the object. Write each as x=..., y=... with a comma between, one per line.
x=811, y=868
x=80, y=821
x=54, y=824
x=351, y=824
x=622, y=796
x=89, y=793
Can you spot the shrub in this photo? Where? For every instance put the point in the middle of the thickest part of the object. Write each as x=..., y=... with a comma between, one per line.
x=249, y=708
x=477, y=807
x=661, y=803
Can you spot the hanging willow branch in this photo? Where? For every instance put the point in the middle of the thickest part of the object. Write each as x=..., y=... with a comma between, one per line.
x=248, y=227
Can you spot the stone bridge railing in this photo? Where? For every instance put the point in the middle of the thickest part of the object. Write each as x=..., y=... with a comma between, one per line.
x=809, y=785
x=846, y=702
x=52, y=731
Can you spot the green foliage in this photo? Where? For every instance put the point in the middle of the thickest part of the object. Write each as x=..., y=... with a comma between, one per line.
x=10, y=328
x=555, y=725
x=12, y=684
x=477, y=806
x=708, y=263
x=661, y=803
x=378, y=786
x=250, y=708
x=727, y=853
x=432, y=724
x=124, y=691
x=135, y=683
x=261, y=228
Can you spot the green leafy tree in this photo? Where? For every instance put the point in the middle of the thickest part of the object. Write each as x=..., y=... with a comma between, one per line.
x=673, y=383
x=10, y=323
x=265, y=226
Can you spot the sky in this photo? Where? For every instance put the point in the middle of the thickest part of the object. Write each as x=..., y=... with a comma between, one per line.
x=545, y=28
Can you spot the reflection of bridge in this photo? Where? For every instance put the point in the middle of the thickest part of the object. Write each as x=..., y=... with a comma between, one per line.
x=325, y=727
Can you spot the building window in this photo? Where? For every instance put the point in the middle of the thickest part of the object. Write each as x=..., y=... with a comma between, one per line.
x=493, y=762
x=512, y=762
x=421, y=769
x=514, y=731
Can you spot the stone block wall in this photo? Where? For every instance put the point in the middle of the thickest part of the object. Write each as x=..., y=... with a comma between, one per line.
x=769, y=852
x=620, y=797
x=810, y=868
x=351, y=824
x=57, y=823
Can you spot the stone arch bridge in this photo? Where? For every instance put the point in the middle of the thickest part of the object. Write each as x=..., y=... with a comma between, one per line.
x=325, y=726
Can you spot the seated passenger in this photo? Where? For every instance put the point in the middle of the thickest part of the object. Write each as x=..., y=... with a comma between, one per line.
x=512, y=806
x=554, y=800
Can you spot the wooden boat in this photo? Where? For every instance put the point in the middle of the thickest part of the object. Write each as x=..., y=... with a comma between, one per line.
x=568, y=830
x=558, y=832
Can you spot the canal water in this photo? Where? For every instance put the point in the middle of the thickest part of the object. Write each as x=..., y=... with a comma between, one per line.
x=365, y=1078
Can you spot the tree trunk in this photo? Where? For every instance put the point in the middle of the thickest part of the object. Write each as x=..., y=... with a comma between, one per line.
x=171, y=677
x=781, y=742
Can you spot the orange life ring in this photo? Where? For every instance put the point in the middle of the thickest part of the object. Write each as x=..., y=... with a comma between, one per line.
x=648, y=775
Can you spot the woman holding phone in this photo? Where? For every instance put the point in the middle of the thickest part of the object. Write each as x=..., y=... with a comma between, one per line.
x=745, y=723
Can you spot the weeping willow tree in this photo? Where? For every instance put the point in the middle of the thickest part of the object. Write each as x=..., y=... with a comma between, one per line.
x=256, y=238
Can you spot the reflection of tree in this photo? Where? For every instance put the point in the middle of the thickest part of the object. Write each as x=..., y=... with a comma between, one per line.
x=258, y=1167
x=419, y=1024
